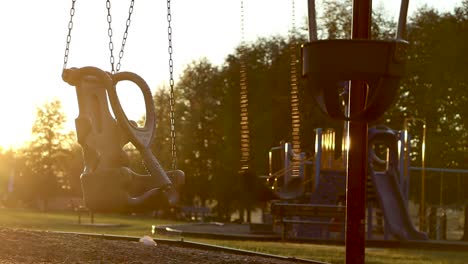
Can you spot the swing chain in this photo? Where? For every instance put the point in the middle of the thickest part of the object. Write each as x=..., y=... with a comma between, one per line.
x=109, y=33
x=171, y=84
x=70, y=27
x=125, y=35
x=124, y=38
x=244, y=101
x=242, y=22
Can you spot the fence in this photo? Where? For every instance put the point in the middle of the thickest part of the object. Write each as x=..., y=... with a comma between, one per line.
x=444, y=187
x=446, y=192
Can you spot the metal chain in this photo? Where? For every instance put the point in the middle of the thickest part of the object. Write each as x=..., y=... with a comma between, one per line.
x=244, y=102
x=125, y=35
x=242, y=23
x=171, y=85
x=293, y=18
x=295, y=100
x=109, y=33
x=70, y=27
x=124, y=38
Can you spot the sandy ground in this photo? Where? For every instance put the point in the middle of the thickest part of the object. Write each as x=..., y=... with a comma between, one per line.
x=22, y=246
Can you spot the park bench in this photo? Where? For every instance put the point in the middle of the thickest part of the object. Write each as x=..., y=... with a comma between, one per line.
x=80, y=210
x=326, y=218
x=77, y=206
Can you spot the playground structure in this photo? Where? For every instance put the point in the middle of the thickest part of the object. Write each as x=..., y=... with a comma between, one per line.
x=322, y=182
x=373, y=69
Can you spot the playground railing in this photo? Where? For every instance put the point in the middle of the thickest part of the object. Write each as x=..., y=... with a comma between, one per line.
x=285, y=165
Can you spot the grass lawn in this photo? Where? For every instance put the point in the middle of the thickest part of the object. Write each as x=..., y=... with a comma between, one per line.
x=140, y=226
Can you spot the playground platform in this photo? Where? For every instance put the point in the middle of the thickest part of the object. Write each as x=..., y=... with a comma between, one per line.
x=231, y=231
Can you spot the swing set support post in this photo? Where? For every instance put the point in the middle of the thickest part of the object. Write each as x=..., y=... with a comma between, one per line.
x=356, y=167
x=326, y=64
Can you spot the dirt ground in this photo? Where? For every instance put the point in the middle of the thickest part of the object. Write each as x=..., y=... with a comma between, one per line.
x=22, y=246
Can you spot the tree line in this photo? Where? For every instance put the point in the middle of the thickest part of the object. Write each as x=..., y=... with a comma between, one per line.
x=208, y=115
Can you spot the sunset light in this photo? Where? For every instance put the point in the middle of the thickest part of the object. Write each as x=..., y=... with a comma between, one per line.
x=24, y=88
x=310, y=131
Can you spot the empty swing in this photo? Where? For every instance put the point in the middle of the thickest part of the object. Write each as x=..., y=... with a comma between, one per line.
x=108, y=184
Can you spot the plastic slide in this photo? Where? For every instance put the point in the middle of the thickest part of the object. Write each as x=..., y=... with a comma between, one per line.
x=394, y=207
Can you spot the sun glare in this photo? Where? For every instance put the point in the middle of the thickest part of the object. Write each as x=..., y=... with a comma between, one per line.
x=15, y=134
x=18, y=112
x=16, y=119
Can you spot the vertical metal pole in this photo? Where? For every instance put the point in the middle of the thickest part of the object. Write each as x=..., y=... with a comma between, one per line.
x=423, y=178
x=312, y=21
x=406, y=151
x=287, y=163
x=270, y=162
x=407, y=168
x=401, y=32
x=357, y=165
x=422, y=207
x=318, y=155
x=401, y=163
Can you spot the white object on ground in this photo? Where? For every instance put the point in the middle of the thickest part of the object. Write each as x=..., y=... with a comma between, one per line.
x=148, y=241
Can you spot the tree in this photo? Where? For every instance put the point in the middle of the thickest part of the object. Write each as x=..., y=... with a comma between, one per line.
x=44, y=158
x=335, y=22
x=201, y=138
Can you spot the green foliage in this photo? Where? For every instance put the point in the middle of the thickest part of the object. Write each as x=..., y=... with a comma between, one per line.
x=336, y=21
x=162, y=144
x=43, y=170
x=202, y=136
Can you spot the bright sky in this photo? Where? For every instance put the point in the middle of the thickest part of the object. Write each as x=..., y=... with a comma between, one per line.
x=33, y=42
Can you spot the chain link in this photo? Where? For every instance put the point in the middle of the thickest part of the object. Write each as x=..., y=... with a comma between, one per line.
x=109, y=33
x=70, y=27
x=115, y=69
x=125, y=35
x=171, y=85
x=242, y=24
x=293, y=18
